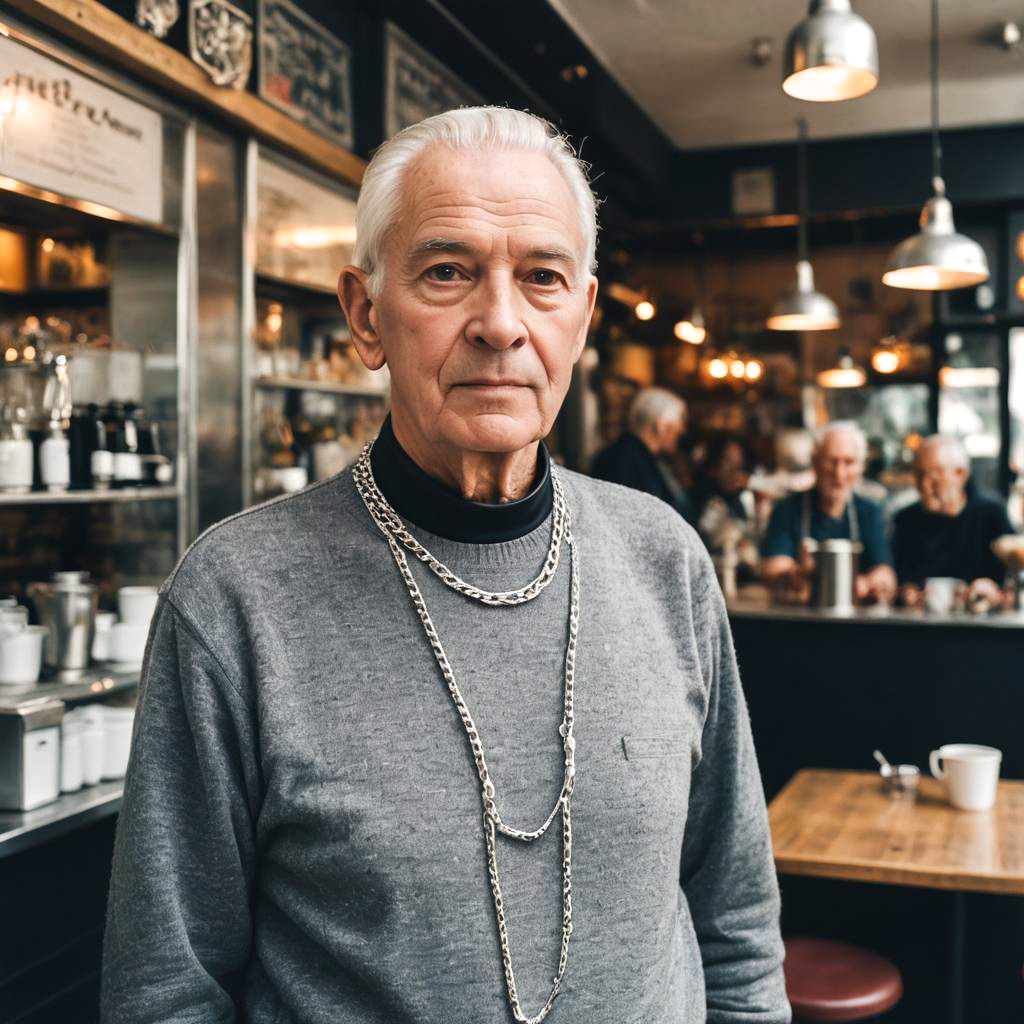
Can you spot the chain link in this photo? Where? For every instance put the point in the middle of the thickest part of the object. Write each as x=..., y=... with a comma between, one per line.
x=399, y=540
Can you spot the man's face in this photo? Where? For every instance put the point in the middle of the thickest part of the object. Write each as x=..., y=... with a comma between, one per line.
x=485, y=301
x=667, y=434
x=839, y=465
x=731, y=474
x=940, y=484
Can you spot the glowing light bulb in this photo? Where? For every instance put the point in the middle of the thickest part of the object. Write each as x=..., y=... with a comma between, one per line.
x=737, y=368
x=885, y=360
x=688, y=331
x=48, y=244
x=644, y=310
x=753, y=370
x=718, y=368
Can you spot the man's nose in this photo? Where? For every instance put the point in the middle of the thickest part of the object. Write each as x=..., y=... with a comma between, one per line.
x=497, y=321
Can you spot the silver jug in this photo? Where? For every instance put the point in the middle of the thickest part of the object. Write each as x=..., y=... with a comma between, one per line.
x=68, y=611
x=835, y=571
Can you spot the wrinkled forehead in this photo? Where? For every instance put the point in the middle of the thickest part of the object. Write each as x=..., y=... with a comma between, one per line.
x=488, y=199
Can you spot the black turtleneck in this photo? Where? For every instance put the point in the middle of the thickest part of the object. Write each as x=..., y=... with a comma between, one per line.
x=419, y=498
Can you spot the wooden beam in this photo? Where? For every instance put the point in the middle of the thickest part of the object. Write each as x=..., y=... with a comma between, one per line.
x=140, y=55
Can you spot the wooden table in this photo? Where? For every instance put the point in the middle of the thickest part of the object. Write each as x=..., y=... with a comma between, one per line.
x=839, y=824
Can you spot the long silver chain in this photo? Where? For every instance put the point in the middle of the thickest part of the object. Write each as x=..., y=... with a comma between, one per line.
x=399, y=539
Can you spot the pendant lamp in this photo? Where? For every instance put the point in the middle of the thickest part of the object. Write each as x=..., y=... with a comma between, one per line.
x=937, y=258
x=845, y=374
x=803, y=308
x=831, y=55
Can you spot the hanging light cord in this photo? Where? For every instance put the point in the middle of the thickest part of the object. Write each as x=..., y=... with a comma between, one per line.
x=801, y=189
x=937, y=183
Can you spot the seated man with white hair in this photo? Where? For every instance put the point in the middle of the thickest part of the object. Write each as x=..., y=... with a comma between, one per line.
x=830, y=511
x=949, y=532
x=455, y=736
x=657, y=419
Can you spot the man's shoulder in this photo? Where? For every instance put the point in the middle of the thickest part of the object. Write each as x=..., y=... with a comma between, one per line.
x=788, y=508
x=625, y=512
x=868, y=510
x=277, y=534
x=911, y=513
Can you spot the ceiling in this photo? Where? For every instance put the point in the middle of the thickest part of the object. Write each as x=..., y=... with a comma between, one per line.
x=687, y=65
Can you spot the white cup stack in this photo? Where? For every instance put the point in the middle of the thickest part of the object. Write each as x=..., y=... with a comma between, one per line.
x=123, y=642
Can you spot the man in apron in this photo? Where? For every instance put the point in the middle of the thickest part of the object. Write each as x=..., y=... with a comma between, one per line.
x=829, y=511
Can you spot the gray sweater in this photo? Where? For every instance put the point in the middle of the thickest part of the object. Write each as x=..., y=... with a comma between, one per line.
x=300, y=840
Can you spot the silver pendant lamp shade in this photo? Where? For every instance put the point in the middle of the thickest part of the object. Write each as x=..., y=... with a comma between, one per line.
x=937, y=258
x=831, y=55
x=803, y=308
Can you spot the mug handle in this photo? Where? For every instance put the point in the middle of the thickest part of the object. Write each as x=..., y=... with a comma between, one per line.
x=934, y=759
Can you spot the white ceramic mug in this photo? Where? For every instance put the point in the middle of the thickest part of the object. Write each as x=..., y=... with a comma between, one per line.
x=126, y=642
x=101, y=638
x=21, y=656
x=137, y=604
x=971, y=773
x=940, y=594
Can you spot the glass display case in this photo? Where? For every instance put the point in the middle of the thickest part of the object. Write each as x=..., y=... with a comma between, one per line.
x=312, y=403
x=94, y=454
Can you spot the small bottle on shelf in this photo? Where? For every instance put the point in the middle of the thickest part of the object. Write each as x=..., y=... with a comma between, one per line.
x=55, y=458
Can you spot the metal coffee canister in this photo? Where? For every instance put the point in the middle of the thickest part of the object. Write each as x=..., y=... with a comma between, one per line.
x=68, y=610
x=835, y=572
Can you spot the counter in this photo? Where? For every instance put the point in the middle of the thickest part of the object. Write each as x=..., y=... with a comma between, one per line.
x=824, y=691
x=757, y=606
x=20, y=830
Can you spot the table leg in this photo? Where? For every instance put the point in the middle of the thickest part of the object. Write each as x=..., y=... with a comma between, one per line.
x=957, y=964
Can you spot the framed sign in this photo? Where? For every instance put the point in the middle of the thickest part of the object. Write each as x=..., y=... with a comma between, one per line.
x=417, y=85
x=305, y=71
x=66, y=133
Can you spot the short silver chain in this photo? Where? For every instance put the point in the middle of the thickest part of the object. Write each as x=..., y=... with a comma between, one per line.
x=398, y=537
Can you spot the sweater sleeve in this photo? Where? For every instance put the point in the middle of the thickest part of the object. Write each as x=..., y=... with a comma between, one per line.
x=178, y=921
x=727, y=870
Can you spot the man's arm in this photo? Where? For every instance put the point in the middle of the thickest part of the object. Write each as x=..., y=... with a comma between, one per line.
x=178, y=920
x=727, y=872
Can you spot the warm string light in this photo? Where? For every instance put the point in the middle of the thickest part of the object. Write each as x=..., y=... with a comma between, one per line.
x=735, y=367
x=644, y=310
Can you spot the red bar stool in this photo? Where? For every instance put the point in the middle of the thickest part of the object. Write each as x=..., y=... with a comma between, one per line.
x=829, y=981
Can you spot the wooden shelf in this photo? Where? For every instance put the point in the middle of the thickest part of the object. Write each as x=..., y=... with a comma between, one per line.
x=72, y=295
x=91, y=497
x=278, y=285
x=323, y=386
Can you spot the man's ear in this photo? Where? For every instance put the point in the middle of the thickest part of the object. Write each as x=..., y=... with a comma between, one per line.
x=354, y=296
x=581, y=341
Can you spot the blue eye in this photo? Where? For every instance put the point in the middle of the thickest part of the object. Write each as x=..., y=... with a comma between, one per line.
x=443, y=272
x=544, y=277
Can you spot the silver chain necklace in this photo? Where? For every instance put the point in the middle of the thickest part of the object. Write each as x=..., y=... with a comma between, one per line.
x=399, y=538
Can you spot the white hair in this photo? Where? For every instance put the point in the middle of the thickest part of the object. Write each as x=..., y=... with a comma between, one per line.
x=470, y=128
x=655, y=405
x=950, y=447
x=847, y=427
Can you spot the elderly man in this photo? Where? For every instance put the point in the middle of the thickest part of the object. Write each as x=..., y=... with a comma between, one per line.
x=830, y=511
x=454, y=736
x=948, y=532
x=657, y=419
